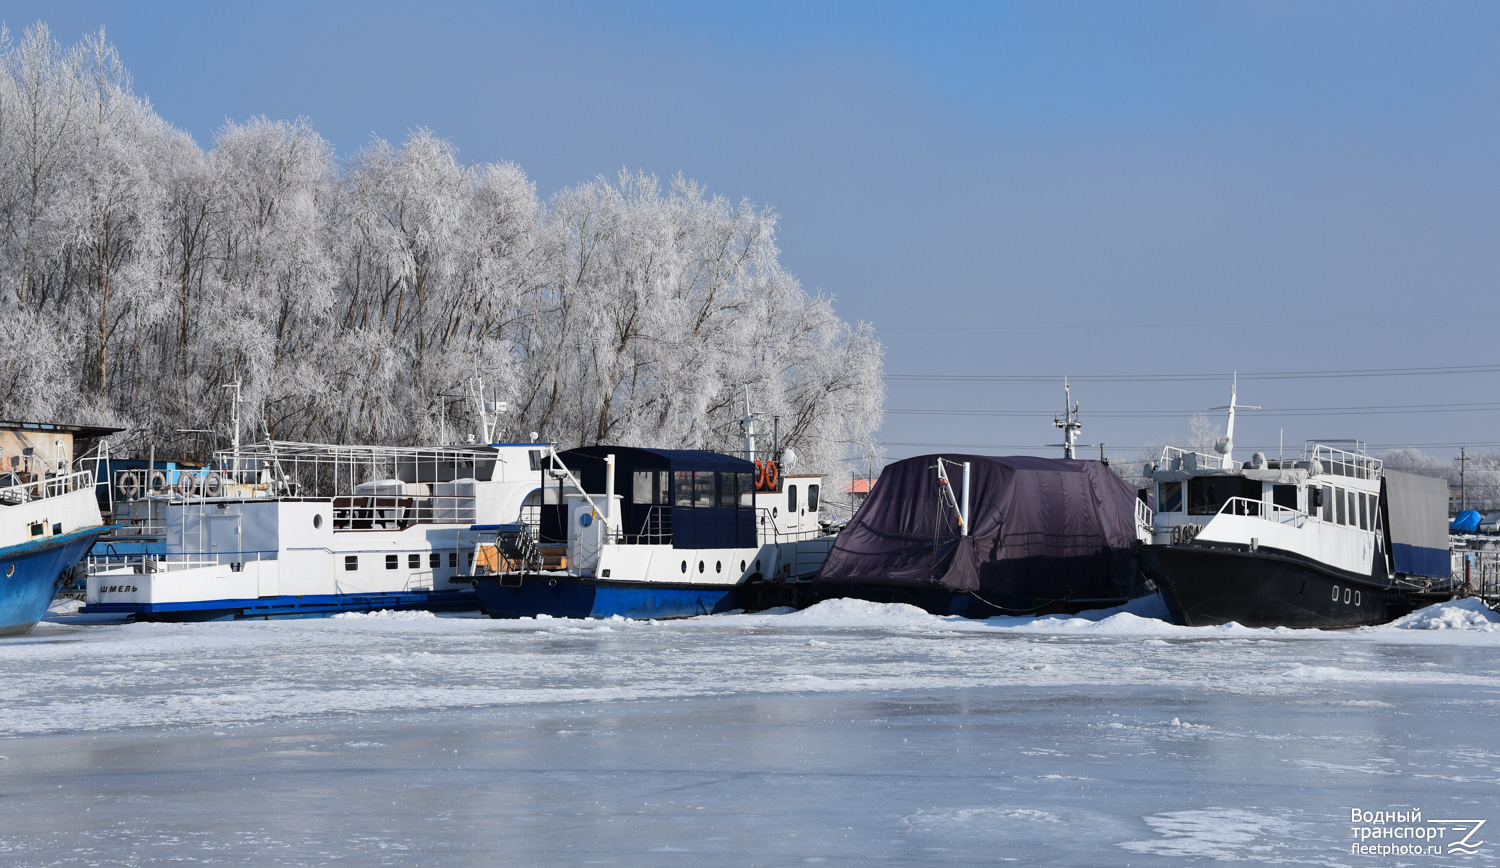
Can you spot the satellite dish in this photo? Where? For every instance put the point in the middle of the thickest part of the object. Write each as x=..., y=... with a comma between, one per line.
x=788, y=458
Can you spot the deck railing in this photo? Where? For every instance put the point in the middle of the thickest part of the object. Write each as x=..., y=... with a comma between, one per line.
x=18, y=491
x=1338, y=462
x=1261, y=509
x=137, y=564
x=1177, y=458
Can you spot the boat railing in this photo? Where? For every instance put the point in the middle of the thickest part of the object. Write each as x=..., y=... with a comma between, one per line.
x=767, y=532
x=1339, y=462
x=137, y=564
x=17, y=490
x=655, y=529
x=1177, y=458
x=1478, y=573
x=1245, y=506
x=1144, y=519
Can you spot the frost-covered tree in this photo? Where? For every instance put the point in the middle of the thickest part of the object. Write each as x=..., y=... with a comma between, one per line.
x=362, y=299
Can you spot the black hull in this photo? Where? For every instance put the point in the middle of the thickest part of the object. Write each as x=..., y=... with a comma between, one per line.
x=942, y=601
x=1205, y=586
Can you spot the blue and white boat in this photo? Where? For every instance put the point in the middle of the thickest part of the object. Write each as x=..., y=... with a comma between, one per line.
x=286, y=530
x=654, y=533
x=49, y=517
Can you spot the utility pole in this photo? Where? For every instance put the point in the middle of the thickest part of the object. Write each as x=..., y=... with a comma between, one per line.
x=1463, y=494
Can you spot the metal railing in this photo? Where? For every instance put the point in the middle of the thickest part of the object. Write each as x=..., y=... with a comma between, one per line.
x=24, y=491
x=1338, y=462
x=1144, y=519
x=766, y=530
x=656, y=529
x=1269, y=511
x=137, y=564
x=1177, y=458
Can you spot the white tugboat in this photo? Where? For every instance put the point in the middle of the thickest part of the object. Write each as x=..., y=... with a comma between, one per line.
x=1326, y=539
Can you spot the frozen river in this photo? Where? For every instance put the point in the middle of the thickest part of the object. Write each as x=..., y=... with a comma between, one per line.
x=847, y=734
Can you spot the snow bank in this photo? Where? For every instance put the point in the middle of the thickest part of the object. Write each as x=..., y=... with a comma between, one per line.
x=385, y=615
x=1465, y=614
x=64, y=607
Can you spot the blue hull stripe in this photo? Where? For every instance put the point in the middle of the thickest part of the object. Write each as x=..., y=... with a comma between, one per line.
x=310, y=606
x=33, y=569
x=566, y=597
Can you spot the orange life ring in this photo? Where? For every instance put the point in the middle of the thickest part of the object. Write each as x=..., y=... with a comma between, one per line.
x=760, y=476
x=771, y=476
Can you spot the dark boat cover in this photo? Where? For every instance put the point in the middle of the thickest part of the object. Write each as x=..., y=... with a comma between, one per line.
x=1048, y=528
x=1417, y=513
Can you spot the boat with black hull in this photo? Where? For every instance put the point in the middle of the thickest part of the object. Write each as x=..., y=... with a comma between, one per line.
x=1327, y=539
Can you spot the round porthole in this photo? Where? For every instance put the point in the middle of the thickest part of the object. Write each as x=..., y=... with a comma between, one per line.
x=10, y=571
x=700, y=566
x=586, y=519
x=773, y=512
x=317, y=521
x=718, y=566
x=684, y=566
x=757, y=565
x=742, y=566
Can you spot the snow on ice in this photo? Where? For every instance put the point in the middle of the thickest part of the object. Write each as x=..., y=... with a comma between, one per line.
x=846, y=733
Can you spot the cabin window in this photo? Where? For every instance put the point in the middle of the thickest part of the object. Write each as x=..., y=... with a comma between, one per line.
x=791, y=499
x=726, y=490
x=414, y=562
x=351, y=563
x=1171, y=497
x=745, y=484
x=703, y=492
x=812, y=498
x=434, y=560
x=1342, y=506
x=536, y=458
x=682, y=483
x=1364, y=512
x=1207, y=494
x=1328, y=498
x=1284, y=496
x=643, y=483
x=452, y=560
x=392, y=561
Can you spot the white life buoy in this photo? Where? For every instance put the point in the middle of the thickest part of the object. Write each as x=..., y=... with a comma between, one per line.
x=130, y=486
x=212, y=485
x=184, y=484
x=158, y=482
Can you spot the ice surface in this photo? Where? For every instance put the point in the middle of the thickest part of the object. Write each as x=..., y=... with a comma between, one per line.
x=844, y=734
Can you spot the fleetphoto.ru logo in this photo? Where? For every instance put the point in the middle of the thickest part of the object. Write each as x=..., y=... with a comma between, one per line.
x=1406, y=833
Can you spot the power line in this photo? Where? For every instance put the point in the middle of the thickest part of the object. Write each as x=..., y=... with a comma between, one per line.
x=1391, y=409
x=1450, y=370
x=1158, y=325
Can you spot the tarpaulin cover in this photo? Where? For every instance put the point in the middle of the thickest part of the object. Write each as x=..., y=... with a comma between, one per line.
x=1417, y=509
x=1466, y=522
x=1039, y=528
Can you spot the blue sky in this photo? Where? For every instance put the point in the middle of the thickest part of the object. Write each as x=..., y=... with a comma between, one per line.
x=1029, y=189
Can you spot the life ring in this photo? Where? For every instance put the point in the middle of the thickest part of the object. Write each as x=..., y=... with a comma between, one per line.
x=130, y=486
x=158, y=481
x=760, y=476
x=771, y=476
x=184, y=484
x=212, y=485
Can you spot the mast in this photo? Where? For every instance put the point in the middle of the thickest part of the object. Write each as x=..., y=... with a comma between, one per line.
x=747, y=428
x=1225, y=446
x=1068, y=421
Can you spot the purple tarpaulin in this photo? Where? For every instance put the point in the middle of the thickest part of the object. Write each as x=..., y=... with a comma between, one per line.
x=1040, y=528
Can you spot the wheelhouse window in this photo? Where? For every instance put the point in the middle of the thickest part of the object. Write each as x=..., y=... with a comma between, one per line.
x=703, y=490
x=791, y=500
x=643, y=486
x=1207, y=494
x=726, y=490
x=1341, y=506
x=745, y=485
x=682, y=485
x=1329, y=496
x=1284, y=496
x=812, y=498
x=1171, y=497
x=536, y=458
x=1364, y=511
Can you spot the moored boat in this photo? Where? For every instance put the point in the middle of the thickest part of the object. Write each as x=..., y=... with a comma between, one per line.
x=1326, y=539
x=49, y=517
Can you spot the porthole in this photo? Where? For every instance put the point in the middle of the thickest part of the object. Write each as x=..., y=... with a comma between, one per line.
x=742, y=566
x=1335, y=593
x=10, y=571
x=585, y=519
x=718, y=566
x=1356, y=598
x=700, y=566
x=317, y=521
x=1348, y=594
x=757, y=565
x=684, y=566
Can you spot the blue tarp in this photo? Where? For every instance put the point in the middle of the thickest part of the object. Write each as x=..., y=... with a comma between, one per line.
x=1466, y=522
